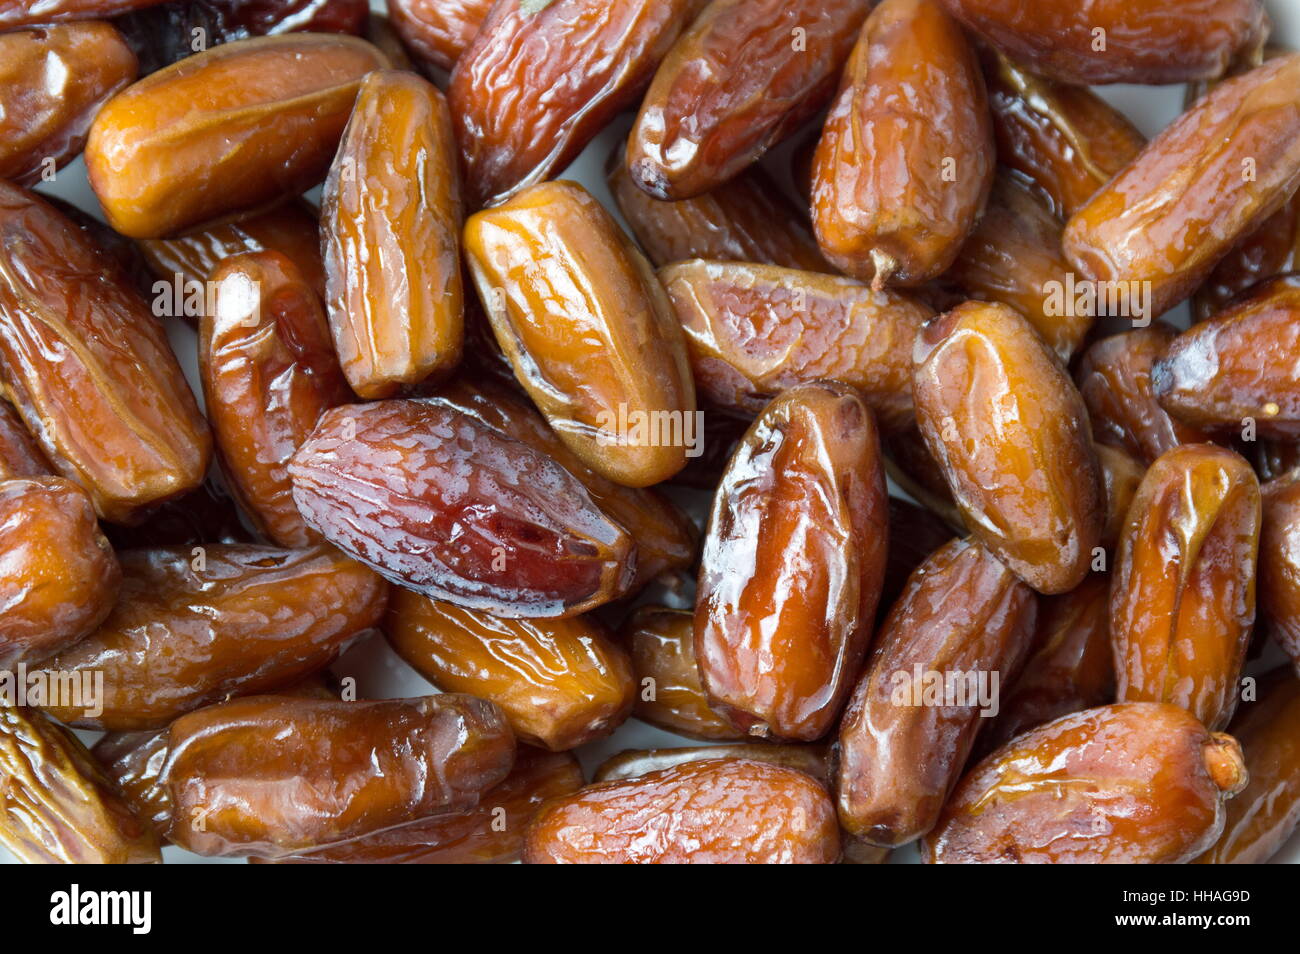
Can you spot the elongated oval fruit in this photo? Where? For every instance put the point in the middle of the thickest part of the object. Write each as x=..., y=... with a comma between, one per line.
x=224, y=132
x=906, y=156
x=560, y=682
x=390, y=230
x=1183, y=587
x=439, y=503
x=1010, y=433
x=591, y=334
x=1122, y=784
x=269, y=372
x=195, y=625
x=716, y=811
x=793, y=564
x=754, y=330
x=1279, y=562
x=743, y=76
x=56, y=805
x=274, y=775
x=438, y=31
x=961, y=629
x=89, y=369
x=1214, y=175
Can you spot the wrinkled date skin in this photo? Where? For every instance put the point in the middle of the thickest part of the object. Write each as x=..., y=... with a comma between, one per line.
x=441, y=504
x=1210, y=179
x=52, y=82
x=591, y=334
x=89, y=369
x=669, y=693
x=269, y=372
x=1010, y=433
x=717, y=811
x=438, y=31
x=793, y=564
x=274, y=775
x=1122, y=784
x=961, y=612
x=906, y=157
x=16, y=13
x=390, y=225
x=560, y=682
x=1272, y=249
x=734, y=85
x=1279, y=562
x=1145, y=41
x=56, y=805
x=1263, y=815
x=1238, y=366
x=19, y=455
x=813, y=760
x=1114, y=377
x=746, y=219
x=1183, y=588
x=539, y=81
x=196, y=625
x=59, y=576
x=754, y=330
x=224, y=132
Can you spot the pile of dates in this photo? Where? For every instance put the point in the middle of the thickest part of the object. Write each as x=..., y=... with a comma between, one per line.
x=579, y=458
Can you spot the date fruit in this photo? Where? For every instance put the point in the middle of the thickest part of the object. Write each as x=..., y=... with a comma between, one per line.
x=438, y=31
x=1272, y=249
x=1279, y=562
x=16, y=13
x=1121, y=473
x=813, y=760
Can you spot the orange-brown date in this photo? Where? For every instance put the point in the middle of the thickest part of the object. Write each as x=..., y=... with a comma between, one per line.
x=1010, y=433
x=1121, y=473
x=1279, y=562
x=812, y=760
x=15, y=13
x=1272, y=249
x=1120, y=784
x=438, y=31
x=1183, y=586
x=793, y=564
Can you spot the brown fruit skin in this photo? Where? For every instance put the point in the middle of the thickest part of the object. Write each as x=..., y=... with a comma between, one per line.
x=1279, y=562
x=1183, y=587
x=223, y=132
x=52, y=82
x=717, y=811
x=793, y=564
x=59, y=576
x=1121, y=473
x=813, y=760
x=753, y=331
x=885, y=208
x=252, y=619
x=1146, y=41
x=962, y=610
x=1238, y=365
x=19, y=455
x=746, y=219
x=492, y=833
x=669, y=693
x=734, y=85
x=561, y=683
x=438, y=31
x=269, y=371
x=1263, y=815
x=1142, y=783
x=441, y=504
x=390, y=227
x=591, y=334
x=1014, y=257
x=1010, y=433
x=276, y=775
x=56, y=806
x=1114, y=377
x=17, y=13
x=1272, y=249
x=536, y=85
x=113, y=412
x=1066, y=139
x=1173, y=212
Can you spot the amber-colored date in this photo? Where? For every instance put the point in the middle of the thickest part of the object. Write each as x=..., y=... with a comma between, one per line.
x=1010, y=433
x=793, y=564
x=717, y=811
x=812, y=760
x=754, y=330
x=390, y=227
x=89, y=369
x=560, y=682
x=196, y=625
x=1121, y=784
x=444, y=505
x=897, y=188
x=1279, y=562
x=1121, y=473
x=224, y=132
x=438, y=31
x=1272, y=249
x=275, y=775
x=1183, y=588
